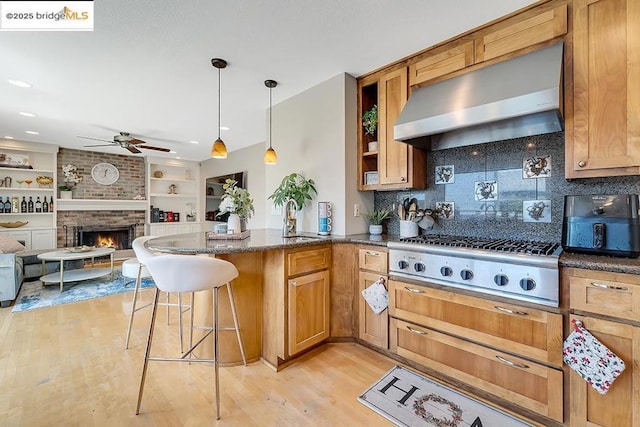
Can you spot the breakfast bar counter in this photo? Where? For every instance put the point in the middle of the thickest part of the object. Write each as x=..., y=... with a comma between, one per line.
x=261, y=291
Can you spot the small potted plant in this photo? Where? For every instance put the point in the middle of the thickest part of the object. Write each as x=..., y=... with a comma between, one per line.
x=370, y=125
x=293, y=193
x=238, y=202
x=71, y=179
x=375, y=219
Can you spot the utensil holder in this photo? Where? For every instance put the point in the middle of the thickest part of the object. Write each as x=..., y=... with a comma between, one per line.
x=408, y=228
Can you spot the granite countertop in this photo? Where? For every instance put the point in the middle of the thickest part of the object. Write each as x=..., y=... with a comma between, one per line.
x=259, y=240
x=600, y=262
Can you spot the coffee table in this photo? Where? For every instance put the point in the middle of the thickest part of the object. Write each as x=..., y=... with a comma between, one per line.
x=75, y=275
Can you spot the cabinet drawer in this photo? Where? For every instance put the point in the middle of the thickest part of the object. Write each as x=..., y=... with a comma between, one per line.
x=523, y=33
x=529, y=332
x=373, y=260
x=601, y=292
x=440, y=64
x=308, y=260
x=525, y=383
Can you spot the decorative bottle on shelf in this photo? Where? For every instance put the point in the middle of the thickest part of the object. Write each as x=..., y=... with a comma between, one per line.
x=51, y=204
x=23, y=205
x=38, y=205
x=7, y=205
x=30, y=205
x=45, y=205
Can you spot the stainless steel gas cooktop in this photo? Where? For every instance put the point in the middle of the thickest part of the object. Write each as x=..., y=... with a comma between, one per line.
x=522, y=270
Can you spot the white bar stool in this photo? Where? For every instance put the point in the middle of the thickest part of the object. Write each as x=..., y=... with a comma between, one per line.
x=191, y=273
x=133, y=268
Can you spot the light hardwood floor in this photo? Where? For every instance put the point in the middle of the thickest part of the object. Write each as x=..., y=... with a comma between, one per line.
x=66, y=366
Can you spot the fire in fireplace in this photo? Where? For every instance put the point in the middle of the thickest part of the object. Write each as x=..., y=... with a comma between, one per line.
x=101, y=236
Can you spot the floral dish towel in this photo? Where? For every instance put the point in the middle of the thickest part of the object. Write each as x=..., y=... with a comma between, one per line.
x=591, y=359
x=376, y=296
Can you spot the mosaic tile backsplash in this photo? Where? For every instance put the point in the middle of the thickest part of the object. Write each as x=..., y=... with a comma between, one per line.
x=509, y=189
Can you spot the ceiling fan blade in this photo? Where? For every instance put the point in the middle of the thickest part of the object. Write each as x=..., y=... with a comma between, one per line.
x=149, y=147
x=136, y=141
x=99, y=145
x=95, y=139
x=134, y=150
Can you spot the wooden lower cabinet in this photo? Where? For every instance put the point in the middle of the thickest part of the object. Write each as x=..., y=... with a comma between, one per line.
x=308, y=310
x=534, y=333
x=620, y=407
x=520, y=381
x=510, y=351
x=373, y=328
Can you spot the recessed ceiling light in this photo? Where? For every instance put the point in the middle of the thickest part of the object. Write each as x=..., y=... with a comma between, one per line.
x=224, y=128
x=178, y=157
x=24, y=113
x=194, y=142
x=8, y=137
x=32, y=132
x=172, y=152
x=19, y=83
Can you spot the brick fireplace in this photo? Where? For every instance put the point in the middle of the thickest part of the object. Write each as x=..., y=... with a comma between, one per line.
x=92, y=220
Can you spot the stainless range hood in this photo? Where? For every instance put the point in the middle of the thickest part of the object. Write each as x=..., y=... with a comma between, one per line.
x=511, y=99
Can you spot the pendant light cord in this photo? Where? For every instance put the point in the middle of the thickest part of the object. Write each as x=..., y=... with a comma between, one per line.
x=218, y=103
x=270, y=107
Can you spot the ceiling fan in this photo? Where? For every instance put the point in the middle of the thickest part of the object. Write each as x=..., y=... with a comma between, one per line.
x=126, y=141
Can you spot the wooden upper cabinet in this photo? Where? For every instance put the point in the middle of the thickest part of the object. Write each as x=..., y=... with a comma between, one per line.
x=522, y=32
x=440, y=64
x=605, y=138
x=399, y=165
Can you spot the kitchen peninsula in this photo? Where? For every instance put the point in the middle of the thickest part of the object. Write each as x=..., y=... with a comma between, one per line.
x=280, y=279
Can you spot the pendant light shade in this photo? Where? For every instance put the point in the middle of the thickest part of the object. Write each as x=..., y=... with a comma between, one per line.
x=219, y=150
x=270, y=156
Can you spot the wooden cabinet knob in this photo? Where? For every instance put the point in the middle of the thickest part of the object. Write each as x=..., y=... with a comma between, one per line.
x=403, y=179
x=582, y=163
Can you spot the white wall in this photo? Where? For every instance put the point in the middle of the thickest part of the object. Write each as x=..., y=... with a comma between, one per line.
x=314, y=134
x=249, y=161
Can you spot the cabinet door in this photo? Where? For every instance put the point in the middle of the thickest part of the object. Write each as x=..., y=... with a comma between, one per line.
x=308, y=260
x=602, y=292
x=373, y=328
x=525, y=383
x=394, y=155
x=440, y=64
x=308, y=311
x=373, y=260
x=606, y=84
x=532, y=333
x=621, y=405
x=521, y=33
x=43, y=239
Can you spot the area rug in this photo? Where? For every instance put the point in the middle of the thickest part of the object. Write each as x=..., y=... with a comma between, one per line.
x=408, y=399
x=33, y=295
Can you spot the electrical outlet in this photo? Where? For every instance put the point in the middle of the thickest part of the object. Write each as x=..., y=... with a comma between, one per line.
x=356, y=209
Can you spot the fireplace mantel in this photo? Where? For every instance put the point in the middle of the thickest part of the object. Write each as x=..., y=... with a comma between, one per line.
x=100, y=205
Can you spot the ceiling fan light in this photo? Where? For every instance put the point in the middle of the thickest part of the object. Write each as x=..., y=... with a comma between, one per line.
x=270, y=157
x=219, y=150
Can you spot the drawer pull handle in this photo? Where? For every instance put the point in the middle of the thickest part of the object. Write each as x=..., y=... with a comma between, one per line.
x=508, y=310
x=510, y=363
x=415, y=331
x=413, y=290
x=605, y=286
x=371, y=253
x=294, y=283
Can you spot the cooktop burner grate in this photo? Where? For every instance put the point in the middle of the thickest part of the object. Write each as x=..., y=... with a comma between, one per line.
x=499, y=245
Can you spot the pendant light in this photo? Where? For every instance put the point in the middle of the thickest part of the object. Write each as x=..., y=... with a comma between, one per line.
x=270, y=156
x=219, y=150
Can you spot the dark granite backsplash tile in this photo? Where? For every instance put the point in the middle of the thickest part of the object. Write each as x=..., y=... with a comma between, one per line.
x=502, y=162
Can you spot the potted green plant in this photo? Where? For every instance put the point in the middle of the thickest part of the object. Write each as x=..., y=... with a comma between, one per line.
x=238, y=202
x=293, y=193
x=370, y=120
x=375, y=218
